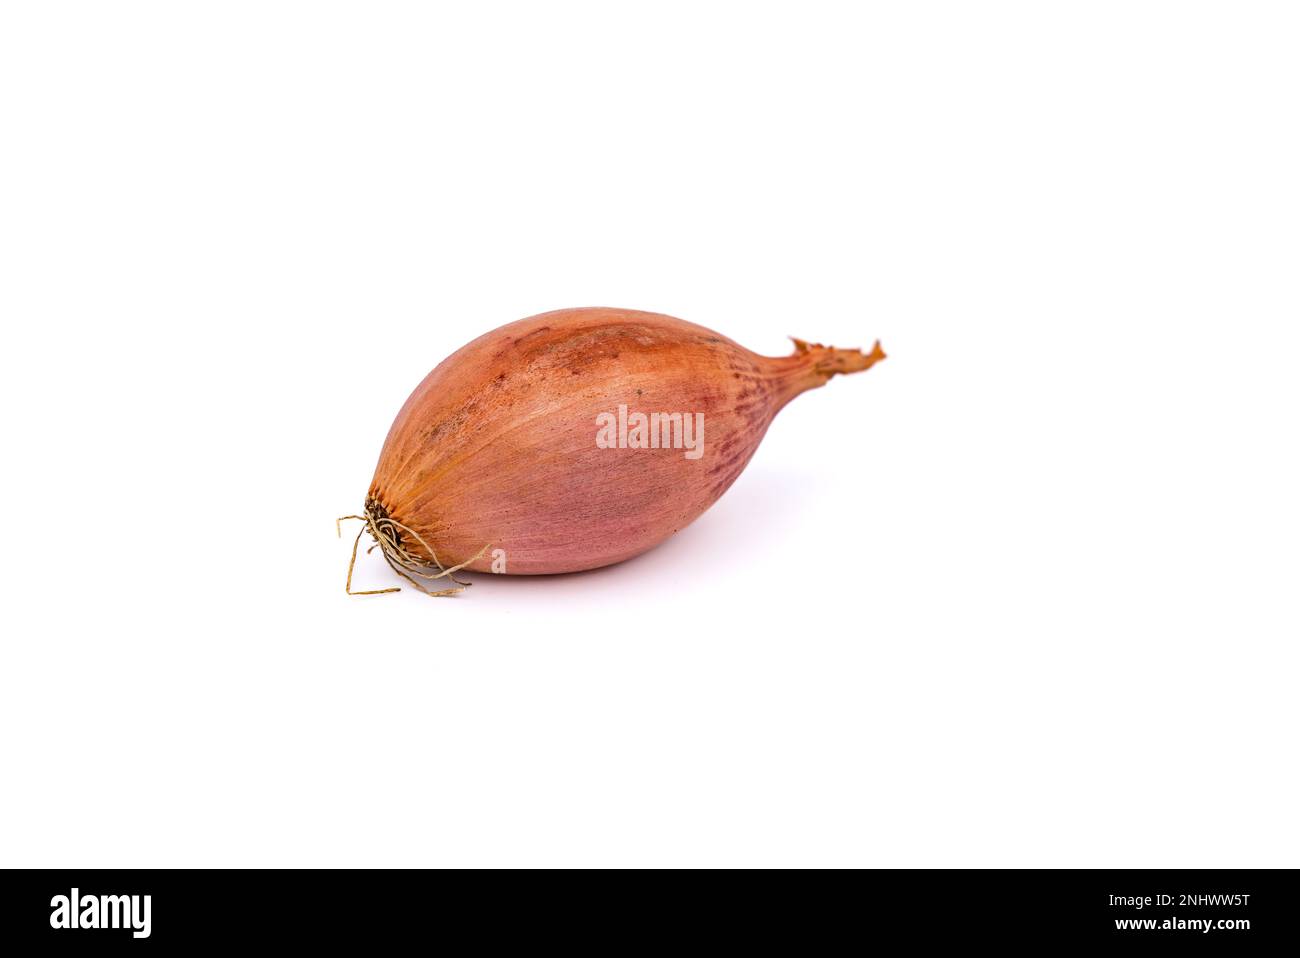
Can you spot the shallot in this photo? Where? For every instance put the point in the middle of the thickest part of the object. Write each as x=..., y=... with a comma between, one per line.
x=572, y=440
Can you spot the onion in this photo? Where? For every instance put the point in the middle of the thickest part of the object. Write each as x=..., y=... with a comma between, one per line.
x=572, y=440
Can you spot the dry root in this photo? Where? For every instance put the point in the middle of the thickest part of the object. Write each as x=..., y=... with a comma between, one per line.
x=390, y=538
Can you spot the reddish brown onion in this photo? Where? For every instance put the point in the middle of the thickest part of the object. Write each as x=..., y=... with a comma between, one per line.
x=573, y=440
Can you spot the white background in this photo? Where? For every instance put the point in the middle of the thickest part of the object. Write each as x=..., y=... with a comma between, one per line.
x=1025, y=594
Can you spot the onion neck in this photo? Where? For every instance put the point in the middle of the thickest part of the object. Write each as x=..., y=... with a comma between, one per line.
x=814, y=365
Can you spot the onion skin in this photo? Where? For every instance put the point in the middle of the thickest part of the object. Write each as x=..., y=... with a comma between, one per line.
x=497, y=446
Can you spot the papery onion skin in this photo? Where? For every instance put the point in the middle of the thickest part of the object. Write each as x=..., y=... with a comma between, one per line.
x=497, y=446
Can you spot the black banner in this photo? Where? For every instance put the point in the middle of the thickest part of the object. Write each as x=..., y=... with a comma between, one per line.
x=142, y=909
